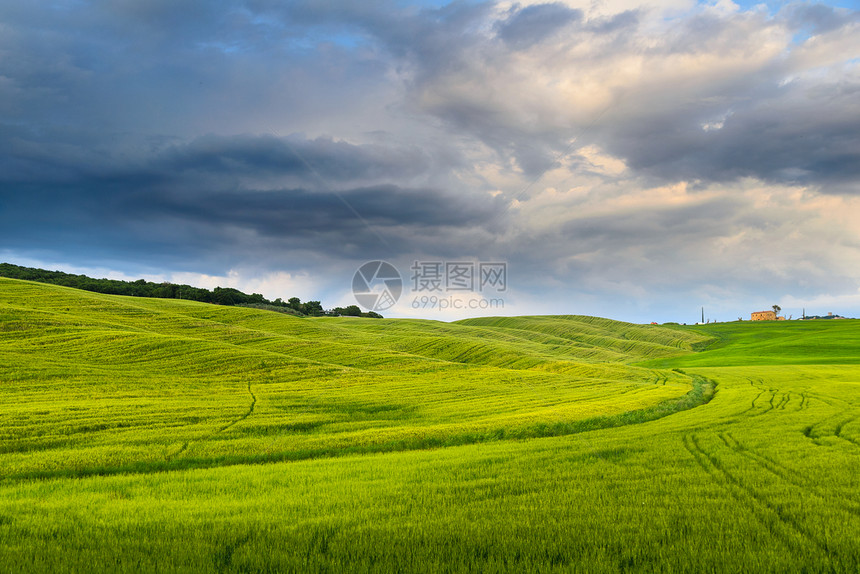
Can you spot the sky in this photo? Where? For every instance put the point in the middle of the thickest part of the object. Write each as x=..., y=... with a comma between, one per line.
x=632, y=160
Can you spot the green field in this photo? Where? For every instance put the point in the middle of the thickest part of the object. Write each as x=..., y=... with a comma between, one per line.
x=164, y=435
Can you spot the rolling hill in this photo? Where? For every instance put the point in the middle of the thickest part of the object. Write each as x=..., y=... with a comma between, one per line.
x=165, y=435
x=107, y=383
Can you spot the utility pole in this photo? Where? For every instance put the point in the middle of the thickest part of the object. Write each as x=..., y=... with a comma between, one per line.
x=703, y=314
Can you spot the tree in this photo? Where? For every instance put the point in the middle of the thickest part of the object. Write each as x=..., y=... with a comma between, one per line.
x=223, y=296
x=144, y=288
x=776, y=309
x=352, y=311
x=312, y=308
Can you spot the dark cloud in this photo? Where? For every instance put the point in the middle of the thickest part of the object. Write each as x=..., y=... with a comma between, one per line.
x=223, y=161
x=623, y=22
x=117, y=67
x=295, y=214
x=191, y=199
x=322, y=161
x=789, y=139
x=818, y=18
x=532, y=24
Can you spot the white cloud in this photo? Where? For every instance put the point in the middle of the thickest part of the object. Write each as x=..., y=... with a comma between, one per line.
x=603, y=8
x=271, y=285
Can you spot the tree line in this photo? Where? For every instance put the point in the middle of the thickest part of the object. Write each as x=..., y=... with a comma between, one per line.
x=165, y=290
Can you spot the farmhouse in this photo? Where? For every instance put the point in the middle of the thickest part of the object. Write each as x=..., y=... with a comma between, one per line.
x=763, y=316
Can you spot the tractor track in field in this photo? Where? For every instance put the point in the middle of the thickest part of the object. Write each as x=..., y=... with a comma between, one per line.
x=757, y=397
x=810, y=432
x=779, y=470
x=752, y=406
x=772, y=403
x=829, y=401
x=767, y=406
x=220, y=430
x=244, y=416
x=759, y=506
x=837, y=432
x=771, y=406
x=775, y=467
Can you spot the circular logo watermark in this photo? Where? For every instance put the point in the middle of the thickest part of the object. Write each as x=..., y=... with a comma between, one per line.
x=377, y=285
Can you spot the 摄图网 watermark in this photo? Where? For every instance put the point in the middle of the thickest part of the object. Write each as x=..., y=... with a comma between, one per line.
x=440, y=285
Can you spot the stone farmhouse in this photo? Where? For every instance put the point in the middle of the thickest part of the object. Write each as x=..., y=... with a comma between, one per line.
x=765, y=316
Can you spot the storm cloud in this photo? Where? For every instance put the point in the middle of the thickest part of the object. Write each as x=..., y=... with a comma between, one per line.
x=625, y=159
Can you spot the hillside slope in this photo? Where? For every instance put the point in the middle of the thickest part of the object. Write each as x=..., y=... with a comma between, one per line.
x=747, y=343
x=99, y=394
x=96, y=383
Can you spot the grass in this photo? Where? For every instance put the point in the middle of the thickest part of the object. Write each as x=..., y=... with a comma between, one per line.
x=98, y=384
x=821, y=342
x=134, y=434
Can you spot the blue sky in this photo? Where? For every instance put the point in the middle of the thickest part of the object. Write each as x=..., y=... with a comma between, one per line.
x=634, y=160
